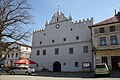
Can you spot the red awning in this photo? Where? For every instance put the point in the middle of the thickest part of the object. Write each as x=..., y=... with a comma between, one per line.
x=25, y=61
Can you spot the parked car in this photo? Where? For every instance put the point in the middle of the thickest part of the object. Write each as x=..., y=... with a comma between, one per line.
x=101, y=69
x=22, y=70
x=7, y=69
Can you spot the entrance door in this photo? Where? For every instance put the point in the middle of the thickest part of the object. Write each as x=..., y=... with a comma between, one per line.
x=104, y=60
x=115, y=62
x=56, y=67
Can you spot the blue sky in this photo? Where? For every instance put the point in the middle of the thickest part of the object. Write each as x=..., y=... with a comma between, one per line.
x=79, y=9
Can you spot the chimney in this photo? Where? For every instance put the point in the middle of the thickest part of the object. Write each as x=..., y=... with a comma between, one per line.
x=118, y=16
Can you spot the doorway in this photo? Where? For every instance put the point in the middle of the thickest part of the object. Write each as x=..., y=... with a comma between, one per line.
x=56, y=67
x=115, y=62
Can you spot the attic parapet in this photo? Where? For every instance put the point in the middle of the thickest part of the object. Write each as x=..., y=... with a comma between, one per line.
x=39, y=30
x=85, y=21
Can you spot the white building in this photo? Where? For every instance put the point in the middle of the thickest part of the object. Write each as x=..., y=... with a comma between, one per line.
x=64, y=45
x=15, y=52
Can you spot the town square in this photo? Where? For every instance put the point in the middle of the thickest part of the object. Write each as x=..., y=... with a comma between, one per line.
x=59, y=40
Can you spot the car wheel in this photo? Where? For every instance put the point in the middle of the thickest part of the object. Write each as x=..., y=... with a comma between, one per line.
x=12, y=72
x=27, y=73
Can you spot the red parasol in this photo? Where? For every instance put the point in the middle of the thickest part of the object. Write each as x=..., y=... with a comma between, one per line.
x=25, y=61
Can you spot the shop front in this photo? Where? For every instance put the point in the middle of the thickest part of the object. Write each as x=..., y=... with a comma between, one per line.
x=110, y=57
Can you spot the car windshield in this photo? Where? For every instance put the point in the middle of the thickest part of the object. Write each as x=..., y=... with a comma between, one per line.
x=100, y=66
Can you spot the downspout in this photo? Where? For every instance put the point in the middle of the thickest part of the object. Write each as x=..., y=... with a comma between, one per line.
x=92, y=50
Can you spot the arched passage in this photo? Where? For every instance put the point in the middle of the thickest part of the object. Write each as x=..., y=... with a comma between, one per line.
x=56, y=67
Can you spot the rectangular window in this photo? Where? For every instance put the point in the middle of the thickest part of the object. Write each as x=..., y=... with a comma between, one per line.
x=56, y=51
x=53, y=41
x=76, y=64
x=26, y=48
x=64, y=39
x=103, y=41
x=114, y=40
x=85, y=49
x=77, y=37
x=71, y=50
x=112, y=28
x=16, y=55
x=37, y=65
x=44, y=52
x=40, y=42
x=38, y=52
x=101, y=30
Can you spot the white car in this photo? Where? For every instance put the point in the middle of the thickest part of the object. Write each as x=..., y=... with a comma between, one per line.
x=102, y=69
x=22, y=70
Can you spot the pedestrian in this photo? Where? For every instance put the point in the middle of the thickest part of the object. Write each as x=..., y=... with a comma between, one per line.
x=2, y=69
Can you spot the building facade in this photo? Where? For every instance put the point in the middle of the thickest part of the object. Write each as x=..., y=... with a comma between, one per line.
x=106, y=42
x=15, y=52
x=64, y=45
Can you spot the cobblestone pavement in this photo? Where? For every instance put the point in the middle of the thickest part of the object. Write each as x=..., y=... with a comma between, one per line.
x=60, y=76
x=24, y=77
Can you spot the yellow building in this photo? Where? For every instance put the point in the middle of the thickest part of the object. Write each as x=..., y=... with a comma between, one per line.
x=106, y=42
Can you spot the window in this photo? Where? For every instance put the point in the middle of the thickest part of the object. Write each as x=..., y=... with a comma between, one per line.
x=77, y=37
x=64, y=63
x=44, y=52
x=16, y=55
x=76, y=64
x=71, y=29
x=40, y=42
x=85, y=49
x=44, y=34
x=101, y=30
x=56, y=51
x=103, y=41
x=12, y=55
x=64, y=39
x=38, y=52
x=24, y=68
x=71, y=50
x=57, y=26
x=57, y=19
x=30, y=56
x=26, y=48
x=37, y=65
x=113, y=40
x=112, y=28
x=53, y=41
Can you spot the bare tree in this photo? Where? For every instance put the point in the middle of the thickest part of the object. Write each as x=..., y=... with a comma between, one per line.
x=14, y=14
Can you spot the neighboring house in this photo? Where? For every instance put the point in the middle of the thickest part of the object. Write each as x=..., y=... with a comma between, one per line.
x=64, y=45
x=15, y=52
x=106, y=42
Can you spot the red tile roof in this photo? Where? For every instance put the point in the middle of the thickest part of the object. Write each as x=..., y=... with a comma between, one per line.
x=115, y=19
